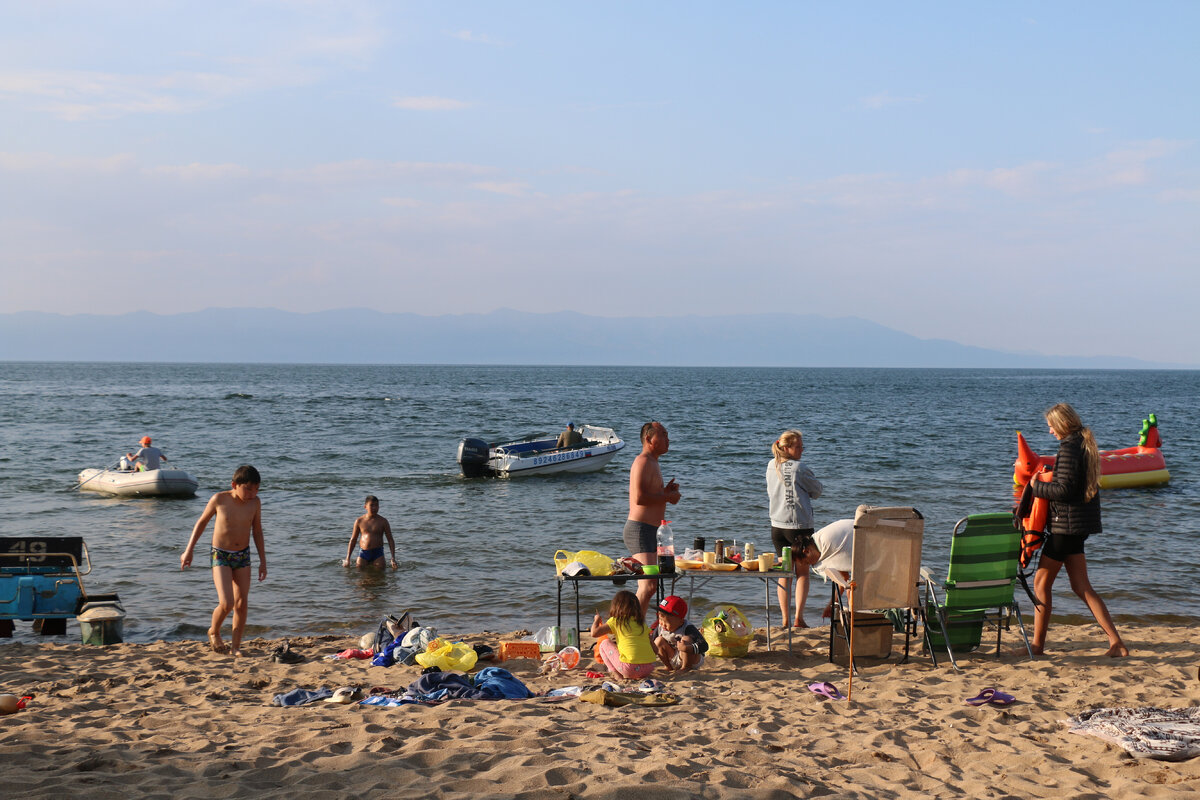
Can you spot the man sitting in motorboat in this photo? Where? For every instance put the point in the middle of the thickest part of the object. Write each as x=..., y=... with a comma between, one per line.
x=146, y=459
x=570, y=437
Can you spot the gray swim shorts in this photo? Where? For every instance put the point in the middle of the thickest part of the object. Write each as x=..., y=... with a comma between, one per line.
x=640, y=537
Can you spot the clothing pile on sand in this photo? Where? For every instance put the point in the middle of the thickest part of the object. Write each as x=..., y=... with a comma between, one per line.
x=1167, y=734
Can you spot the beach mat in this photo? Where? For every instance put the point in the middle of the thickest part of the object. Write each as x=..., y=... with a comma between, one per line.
x=1167, y=734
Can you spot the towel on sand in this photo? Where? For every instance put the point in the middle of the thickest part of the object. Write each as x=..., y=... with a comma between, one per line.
x=1168, y=734
x=301, y=697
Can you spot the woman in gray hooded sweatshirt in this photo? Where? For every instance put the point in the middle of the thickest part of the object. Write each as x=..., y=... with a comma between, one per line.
x=791, y=487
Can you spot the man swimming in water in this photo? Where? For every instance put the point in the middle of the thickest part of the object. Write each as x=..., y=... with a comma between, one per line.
x=370, y=530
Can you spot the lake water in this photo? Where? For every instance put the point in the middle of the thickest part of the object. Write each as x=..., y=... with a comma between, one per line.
x=477, y=554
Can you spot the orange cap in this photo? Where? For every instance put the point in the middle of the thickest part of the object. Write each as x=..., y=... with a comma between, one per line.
x=145, y=440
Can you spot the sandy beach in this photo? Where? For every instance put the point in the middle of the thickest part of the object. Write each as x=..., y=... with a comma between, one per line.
x=171, y=719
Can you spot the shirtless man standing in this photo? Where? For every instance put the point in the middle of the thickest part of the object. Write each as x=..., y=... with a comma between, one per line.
x=648, y=498
x=370, y=530
x=239, y=515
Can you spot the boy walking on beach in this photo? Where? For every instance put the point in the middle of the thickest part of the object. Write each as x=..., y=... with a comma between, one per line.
x=239, y=515
x=370, y=530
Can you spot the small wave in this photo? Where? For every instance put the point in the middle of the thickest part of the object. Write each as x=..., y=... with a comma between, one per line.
x=239, y=396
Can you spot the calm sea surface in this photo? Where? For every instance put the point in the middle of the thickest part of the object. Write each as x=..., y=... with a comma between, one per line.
x=477, y=554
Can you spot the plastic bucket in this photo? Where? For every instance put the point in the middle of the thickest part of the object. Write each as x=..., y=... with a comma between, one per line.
x=569, y=657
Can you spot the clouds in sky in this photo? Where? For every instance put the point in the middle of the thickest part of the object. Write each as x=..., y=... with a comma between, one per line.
x=429, y=104
x=615, y=161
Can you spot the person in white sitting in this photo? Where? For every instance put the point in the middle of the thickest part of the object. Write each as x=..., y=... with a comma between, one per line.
x=147, y=458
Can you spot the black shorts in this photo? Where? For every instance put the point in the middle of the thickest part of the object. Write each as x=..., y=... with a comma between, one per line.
x=1060, y=545
x=640, y=537
x=789, y=537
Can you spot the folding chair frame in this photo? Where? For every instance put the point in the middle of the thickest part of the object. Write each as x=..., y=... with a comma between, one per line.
x=844, y=615
x=841, y=617
x=1000, y=615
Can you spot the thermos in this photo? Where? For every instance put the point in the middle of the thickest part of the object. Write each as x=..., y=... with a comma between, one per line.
x=698, y=543
x=720, y=550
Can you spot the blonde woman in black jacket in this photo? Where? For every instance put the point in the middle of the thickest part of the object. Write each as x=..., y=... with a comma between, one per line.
x=1074, y=495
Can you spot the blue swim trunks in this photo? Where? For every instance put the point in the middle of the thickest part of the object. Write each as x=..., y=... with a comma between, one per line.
x=239, y=559
x=370, y=555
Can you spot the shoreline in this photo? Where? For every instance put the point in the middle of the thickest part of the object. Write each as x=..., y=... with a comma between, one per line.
x=170, y=718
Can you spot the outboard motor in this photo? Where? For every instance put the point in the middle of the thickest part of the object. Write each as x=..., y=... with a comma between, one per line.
x=473, y=457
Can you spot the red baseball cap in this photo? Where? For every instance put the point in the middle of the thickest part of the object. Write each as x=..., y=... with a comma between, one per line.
x=145, y=440
x=674, y=605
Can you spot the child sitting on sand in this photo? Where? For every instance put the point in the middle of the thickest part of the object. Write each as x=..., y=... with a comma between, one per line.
x=679, y=644
x=632, y=655
x=239, y=514
x=370, y=530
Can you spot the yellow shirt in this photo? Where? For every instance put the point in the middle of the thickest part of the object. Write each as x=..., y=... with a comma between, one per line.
x=633, y=642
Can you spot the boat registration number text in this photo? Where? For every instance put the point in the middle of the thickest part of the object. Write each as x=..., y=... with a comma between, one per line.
x=554, y=458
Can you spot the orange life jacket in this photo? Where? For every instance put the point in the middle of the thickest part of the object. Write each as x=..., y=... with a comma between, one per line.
x=1032, y=513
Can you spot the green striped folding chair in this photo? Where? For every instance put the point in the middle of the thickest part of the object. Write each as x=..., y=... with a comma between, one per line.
x=978, y=589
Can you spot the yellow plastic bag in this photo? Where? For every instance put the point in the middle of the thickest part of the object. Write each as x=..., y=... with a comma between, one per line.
x=597, y=563
x=727, y=632
x=448, y=656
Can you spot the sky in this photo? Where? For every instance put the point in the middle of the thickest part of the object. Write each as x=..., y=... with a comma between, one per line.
x=1018, y=176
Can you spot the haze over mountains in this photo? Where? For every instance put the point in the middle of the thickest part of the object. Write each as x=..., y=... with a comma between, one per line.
x=359, y=336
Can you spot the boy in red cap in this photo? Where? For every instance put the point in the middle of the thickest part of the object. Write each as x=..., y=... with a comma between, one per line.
x=679, y=644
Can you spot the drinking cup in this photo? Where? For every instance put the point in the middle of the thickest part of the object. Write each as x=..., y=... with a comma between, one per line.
x=710, y=557
x=765, y=561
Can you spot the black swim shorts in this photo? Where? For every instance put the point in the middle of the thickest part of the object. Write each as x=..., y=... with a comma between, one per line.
x=640, y=537
x=789, y=537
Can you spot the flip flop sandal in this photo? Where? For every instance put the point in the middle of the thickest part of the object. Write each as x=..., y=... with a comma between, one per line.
x=826, y=690
x=983, y=697
x=1002, y=699
x=651, y=686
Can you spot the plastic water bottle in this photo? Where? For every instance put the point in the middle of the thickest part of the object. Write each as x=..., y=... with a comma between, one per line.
x=666, y=548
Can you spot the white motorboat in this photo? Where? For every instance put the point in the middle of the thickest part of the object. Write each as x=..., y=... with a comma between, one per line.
x=128, y=483
x=536, y=455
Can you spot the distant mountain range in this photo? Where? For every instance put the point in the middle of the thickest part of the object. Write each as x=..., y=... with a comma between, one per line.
x=359, y=336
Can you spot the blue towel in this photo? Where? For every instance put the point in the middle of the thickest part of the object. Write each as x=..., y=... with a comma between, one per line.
x=301, y=697
x=394, y=653
x=384, y=700
x=438, y=686
x=500, y=684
